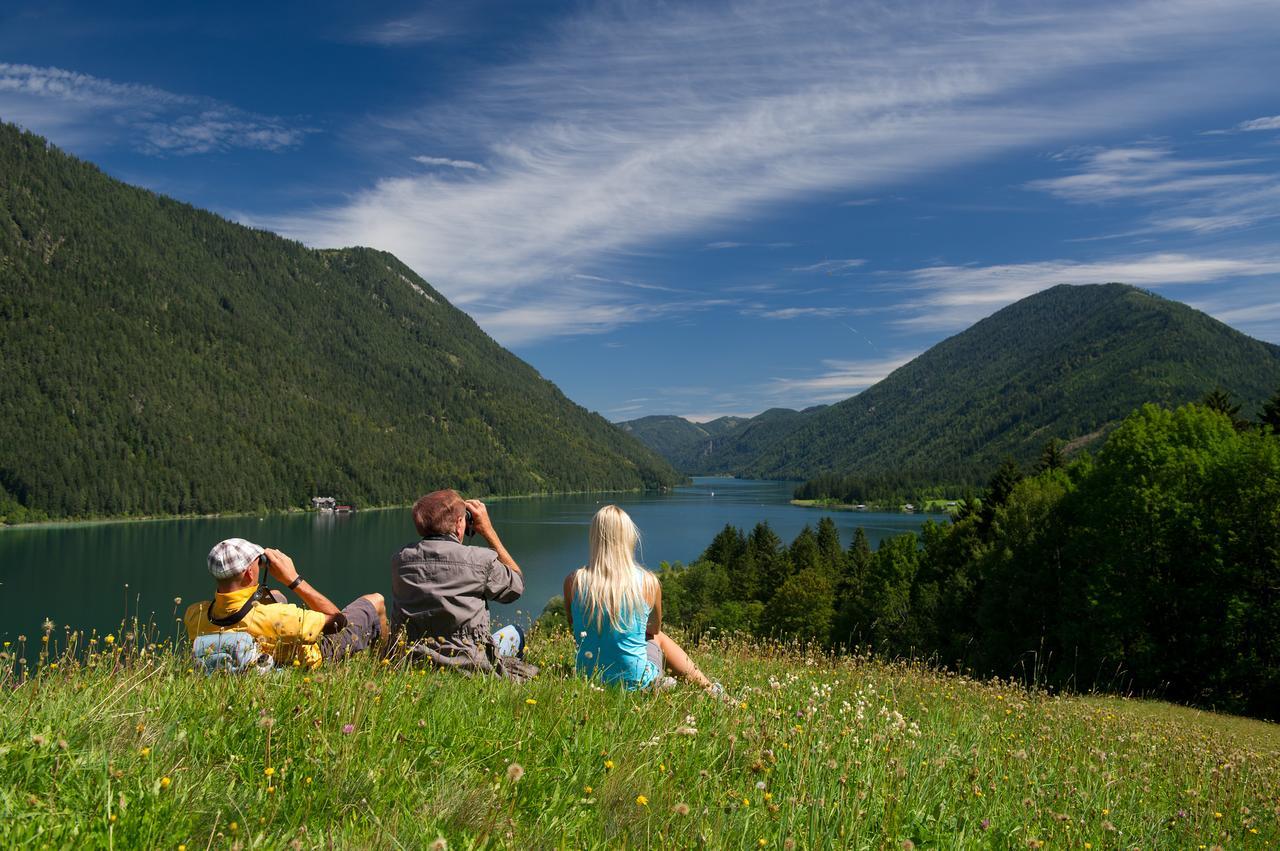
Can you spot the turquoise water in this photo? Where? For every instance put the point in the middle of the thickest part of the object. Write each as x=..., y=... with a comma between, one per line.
x=92, y=575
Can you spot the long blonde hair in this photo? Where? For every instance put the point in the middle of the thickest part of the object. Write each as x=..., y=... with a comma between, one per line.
x=607, y=582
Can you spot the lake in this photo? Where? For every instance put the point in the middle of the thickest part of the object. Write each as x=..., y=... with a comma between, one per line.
x=92, y=575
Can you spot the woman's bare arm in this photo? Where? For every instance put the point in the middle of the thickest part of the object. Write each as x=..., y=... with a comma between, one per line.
x=655, y=612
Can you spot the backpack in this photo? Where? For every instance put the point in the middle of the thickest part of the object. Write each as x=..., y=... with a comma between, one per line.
x=233, y=652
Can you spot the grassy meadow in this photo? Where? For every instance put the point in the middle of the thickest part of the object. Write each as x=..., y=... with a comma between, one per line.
x=111, y=743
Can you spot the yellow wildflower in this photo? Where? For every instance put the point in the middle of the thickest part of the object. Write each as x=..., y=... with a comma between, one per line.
x=144, y=752
x=268, y=771
x=531, y=701
x=110, y=639
x=642, y=800
x=164, y=782
x=608, y=765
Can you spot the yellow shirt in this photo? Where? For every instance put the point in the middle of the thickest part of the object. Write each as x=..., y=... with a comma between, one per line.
x=286, y=631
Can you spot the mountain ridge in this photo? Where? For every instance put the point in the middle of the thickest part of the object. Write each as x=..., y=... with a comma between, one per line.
x=159, y=359
x=1064, y=363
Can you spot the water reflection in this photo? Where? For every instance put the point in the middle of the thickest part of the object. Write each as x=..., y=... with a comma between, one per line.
x=92, y=575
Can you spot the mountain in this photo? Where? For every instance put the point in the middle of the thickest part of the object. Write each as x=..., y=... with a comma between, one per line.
x=717, y=446
x=158, y=359
x=1065, y=363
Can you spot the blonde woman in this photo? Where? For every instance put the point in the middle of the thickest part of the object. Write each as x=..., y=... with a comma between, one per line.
x=615, y=611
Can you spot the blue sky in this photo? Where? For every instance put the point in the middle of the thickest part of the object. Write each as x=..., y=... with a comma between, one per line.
x=702, y=208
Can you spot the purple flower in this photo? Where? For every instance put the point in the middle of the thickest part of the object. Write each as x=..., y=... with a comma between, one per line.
x=986, y=823
x=348, y=728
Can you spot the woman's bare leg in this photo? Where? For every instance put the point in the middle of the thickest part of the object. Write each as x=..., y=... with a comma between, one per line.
x=678, y=662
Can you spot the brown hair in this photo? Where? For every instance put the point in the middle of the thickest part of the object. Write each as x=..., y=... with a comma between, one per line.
x=437, y=513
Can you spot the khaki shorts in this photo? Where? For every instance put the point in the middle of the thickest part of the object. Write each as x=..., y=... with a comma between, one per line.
x=362, y=629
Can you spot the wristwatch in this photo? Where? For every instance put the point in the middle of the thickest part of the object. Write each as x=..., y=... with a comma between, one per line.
x=296, y=582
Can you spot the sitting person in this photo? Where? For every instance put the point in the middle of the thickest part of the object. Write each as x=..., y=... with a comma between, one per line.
x=615, y=612
x=286, y=632
x=441, y=588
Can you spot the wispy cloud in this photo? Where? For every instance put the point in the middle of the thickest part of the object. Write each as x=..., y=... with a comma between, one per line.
x=638, y=122
x=419, y=28
x=831, y=267
x=445, y=162
x=954, y=297
x=1201, y=196
x=839, y=379
x=82, y=108
x=1270, y=122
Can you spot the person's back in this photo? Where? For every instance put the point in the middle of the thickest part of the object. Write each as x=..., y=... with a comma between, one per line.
x=615, y=611
x=615, y=650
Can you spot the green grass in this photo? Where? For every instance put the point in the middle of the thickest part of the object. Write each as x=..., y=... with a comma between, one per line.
x=819, y=752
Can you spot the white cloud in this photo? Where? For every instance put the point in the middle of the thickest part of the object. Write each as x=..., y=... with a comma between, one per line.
x=79, y=108
x=831, y=267
x=445, y=162
x=955, y=297
x=1197, y=196
x=639, y=122
x=415, y=29
x=840, y=379
x=801, y=312
x=1271, y=122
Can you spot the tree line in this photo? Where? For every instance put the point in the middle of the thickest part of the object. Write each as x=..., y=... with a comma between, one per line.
x=1151, y=568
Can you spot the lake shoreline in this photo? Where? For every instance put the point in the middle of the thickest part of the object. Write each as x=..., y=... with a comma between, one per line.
x=66, y=522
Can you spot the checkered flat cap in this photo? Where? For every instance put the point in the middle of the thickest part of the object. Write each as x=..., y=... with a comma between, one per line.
x=231, y=557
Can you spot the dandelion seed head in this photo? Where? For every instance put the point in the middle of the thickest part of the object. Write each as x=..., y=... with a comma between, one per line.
x=514, y=772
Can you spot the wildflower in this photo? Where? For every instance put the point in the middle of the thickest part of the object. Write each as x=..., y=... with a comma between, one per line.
x=386, y=662
x=441, y=844
x=110, y=639
x=48, y=626
x=908, y=845
x=38, y=740
x=530, y=701
x=514, y=772
x=269, y=771
x=761, y=842
x=307, y=781
x=1217, y=815
x=297, y=664
x=271, y=790
x=62, y=744
x=177, y=601
x=587, y=790
x=348, y=729
x=112, y=818
x=680, y=809
x=144, y=752
x=641, y=800
x=746, y=802
x=788, y=844
x=164, y=782
x=608, y=766
x=686, y=731
x=233, y=827
x=986, y=824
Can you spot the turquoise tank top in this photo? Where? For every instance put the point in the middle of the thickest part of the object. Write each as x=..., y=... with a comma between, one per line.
x=615, y=653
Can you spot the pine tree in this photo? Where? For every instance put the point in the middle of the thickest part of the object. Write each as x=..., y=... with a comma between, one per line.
x=1269, y=416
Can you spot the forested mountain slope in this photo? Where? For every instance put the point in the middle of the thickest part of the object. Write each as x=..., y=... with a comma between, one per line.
x=1063, y=363
x=156, y=358
x=676, y=439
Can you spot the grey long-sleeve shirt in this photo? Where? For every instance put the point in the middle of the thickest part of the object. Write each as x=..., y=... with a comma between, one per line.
x=440, y=593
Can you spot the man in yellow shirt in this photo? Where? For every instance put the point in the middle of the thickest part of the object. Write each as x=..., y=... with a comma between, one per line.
x=287, y=632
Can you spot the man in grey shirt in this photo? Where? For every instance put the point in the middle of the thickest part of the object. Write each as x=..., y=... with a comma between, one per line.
x=441, y=588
